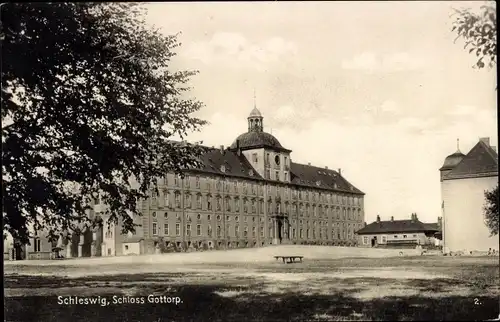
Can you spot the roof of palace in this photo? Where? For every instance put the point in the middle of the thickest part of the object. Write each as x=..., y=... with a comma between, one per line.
x=481, y=160
x=397, y=226
x=229, y=163
x=255, y=140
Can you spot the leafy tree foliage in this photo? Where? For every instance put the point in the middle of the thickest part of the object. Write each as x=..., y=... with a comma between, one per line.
x=88, y=102
x=491, y=213
x=479, y=30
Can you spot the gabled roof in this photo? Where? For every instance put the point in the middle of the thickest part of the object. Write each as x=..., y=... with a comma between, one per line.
x=397, y=226
x=481, y=161
x=317, y=177
x=234, y=165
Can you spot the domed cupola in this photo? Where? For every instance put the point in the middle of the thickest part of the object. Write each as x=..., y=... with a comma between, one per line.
x=451, y=161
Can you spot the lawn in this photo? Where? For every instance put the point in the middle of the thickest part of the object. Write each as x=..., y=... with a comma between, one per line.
x=239, y=287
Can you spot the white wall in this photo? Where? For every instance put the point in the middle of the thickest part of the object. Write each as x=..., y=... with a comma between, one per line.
x=463, y=220
x=133, y=248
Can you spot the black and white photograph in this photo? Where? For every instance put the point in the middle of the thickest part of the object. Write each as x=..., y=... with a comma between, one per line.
x=250, y=161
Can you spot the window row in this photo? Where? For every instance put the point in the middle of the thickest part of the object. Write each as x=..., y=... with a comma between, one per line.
x=216, y=184
x=252, y=231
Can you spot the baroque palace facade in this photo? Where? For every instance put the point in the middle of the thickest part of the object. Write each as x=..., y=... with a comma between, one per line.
x=250, y=194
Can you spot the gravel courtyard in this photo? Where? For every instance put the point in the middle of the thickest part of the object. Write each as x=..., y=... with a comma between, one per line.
x=333, y=283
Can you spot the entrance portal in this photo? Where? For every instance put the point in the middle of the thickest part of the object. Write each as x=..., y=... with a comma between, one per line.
x=374, y=241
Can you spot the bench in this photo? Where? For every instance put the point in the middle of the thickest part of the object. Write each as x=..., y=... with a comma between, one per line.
x=289, y=259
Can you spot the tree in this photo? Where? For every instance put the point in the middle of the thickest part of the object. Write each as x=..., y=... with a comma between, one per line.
x=491, y=213
x=88, y=102
x=479, y=31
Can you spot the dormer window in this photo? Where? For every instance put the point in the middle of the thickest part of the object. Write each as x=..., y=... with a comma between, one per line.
x=318, y=183
x=250, y=173
x=223, y=168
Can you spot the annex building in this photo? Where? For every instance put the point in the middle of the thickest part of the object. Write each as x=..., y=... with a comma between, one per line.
x=249, y=194
x=464, y=179
x=400, y=233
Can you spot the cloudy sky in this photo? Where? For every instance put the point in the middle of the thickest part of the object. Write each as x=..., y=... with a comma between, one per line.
x=378, y=89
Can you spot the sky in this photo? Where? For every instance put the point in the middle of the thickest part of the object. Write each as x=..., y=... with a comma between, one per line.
x=378, y=89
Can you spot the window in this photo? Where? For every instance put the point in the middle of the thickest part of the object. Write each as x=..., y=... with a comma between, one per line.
x=261, y=231
x=245, y=232
x=188, y=230
x=188, y=200
x=155, y=229
x=197, y=181
x=218, y=205
x=37, y=245
x=198, y=216
x=198, y=230
x=293, y=233
x=365, y=240
x=395, y=236
x=188, y=182
x=153, y=214
x=228, y=204
x=154, y=198
x=177, y=200
x=126, y=247
x=301, y=233
x=236, y=219
x=268, y=174
x=254, y=209
x=404, y=236
x=286, y=176
x=178, y=229
x=167, y=201
x=209, y=231
x=219, y=232
x=165, y=215
x=209, y=203
x=277, y=175
x=176, y=180
x=237, y=204
x=384, y=239
x=414, y=236
x=165, y=230
x=228, y=218
x=267, y=158
x=198, y=201
x=255, y=157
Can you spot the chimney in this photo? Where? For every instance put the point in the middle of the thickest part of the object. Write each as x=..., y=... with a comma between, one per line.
x=378, y=218
x=392, y=218
x=308, y=163
x=222, y=149
x=326, y=167
x=440, y=223
x=340, y=171
x=485, y=140
x=365, y=223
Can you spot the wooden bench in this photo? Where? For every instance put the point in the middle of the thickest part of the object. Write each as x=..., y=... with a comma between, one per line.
x=289, y=259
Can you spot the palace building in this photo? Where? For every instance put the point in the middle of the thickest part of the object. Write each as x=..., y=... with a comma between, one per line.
x=249, y=194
